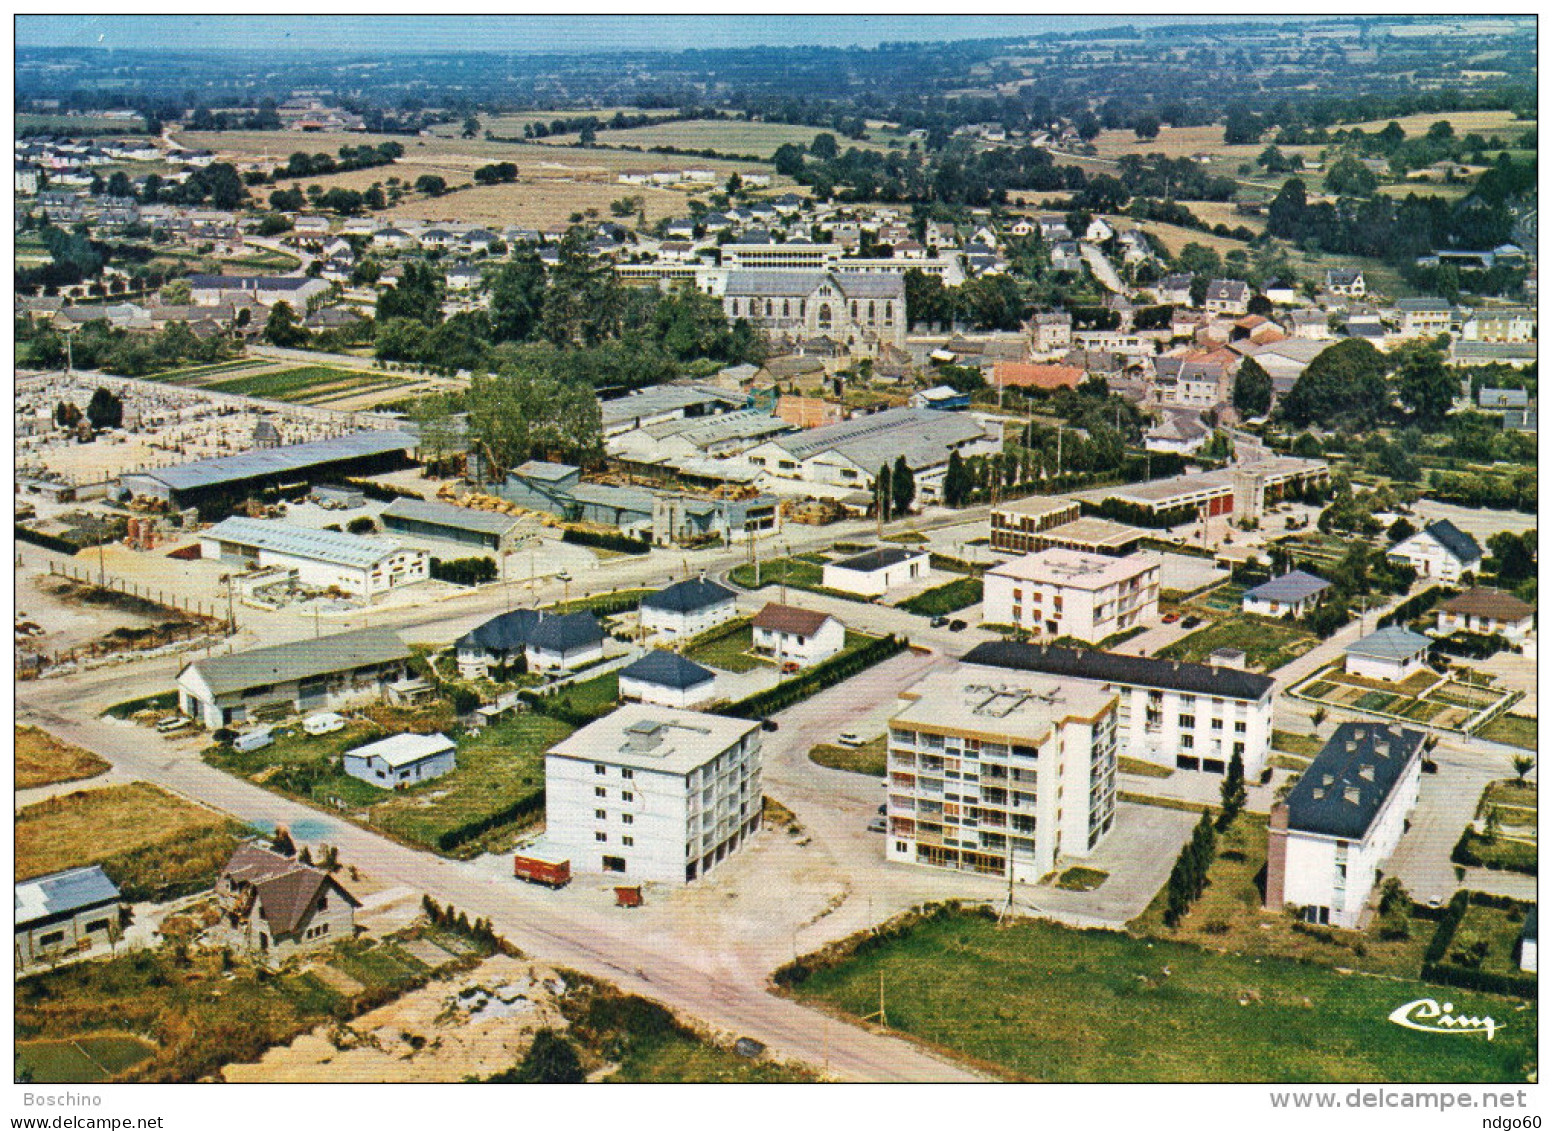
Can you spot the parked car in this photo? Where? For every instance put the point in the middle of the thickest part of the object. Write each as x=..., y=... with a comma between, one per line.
x=882, y=809
x=878, y=825
x=172, y=724
x=938, y=621
x=1190, y=622
x=956, y=626
x=850, y=738
x=1171, y=618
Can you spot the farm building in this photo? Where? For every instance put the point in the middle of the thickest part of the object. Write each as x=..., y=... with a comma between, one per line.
x=876, y=572
x=687, y=608
x=307, y=675
x=226, y=480
x=1292, y=594
x=328, y=559
x=402, y=759
x=1390, y=654
x=667, y=679
x=799, y=636
x=545, y=641
x=653, y=793
x=59, y=912
x=272, y=906
x=444, y=522
x=1327, y=842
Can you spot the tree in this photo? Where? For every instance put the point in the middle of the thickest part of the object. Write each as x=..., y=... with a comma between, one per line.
x=517, y=298
x=1318, y=716
x=1146, y=127
x=788, y=160
x=881, y=492
x=1424, y=385
x=956, y=481
x=1400, y=531
x=283, y=329
x=471, y=126
x=1252, y=389
x=1523, y=764
x=430, y=185
x=549, y=1060
x=902, y=488
x=105, y=410
x=282, y=843
x=1512, y=556
x=1350, y=177
x=1344, y=385
x=417, y=296
x=1232, y=792
x=179, y=292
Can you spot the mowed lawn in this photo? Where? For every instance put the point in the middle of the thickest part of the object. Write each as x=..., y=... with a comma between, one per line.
x=42, y=759
x=1267, y=644
x=1515, y=730
x=1055, y=1004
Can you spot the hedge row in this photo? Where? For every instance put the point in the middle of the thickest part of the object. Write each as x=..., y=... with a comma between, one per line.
x=472, y=830
x=603, y=605
x=1465, y=852
x=1442, y=973
x=949, y=564
x=382, y=492
x=47, y=541
x=1417, y=605
x=1473, y=645
x=815, y=679
x=619, y=543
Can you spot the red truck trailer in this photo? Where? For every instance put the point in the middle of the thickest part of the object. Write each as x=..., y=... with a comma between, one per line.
x=536, y=870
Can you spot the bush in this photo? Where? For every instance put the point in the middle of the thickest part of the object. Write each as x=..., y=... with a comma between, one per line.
x=619, y=543
x=1443, y=973
x=365, y=524
x=464, y=571
x=472, y=830
x=1474, y=645
x=1417, y=605
x=815, y=679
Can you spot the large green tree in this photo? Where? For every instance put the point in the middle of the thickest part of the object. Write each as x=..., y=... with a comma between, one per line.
x=1252, y=389
x=902, y=487
x=1424, y=384
x=416, y=296
x=1344, y=385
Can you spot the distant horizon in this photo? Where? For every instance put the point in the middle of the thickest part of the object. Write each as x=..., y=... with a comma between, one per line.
x=559, y=35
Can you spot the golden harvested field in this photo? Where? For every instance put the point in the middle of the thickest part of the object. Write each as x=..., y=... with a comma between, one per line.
x=1482, y=122
x=511, y=125
x=534, y=203
x=42, y=759
x=1172, y=142
x=92, y=825
x=1222, y=212
x=1172, y=238
x=754, y=139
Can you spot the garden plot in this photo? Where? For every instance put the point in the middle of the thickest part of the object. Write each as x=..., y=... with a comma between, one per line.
x=1424, y=697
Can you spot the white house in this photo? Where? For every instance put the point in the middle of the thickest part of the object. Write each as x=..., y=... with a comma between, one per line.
x=402, y=759
x=799, y=636
x=687, y=608
x=876, y=572
x=307, y=675
x=1177, y=715
x=360, y=565
x=56, y=913
x=1327, y=843
x=1227, y=296
x=1347, y=282
x=545, y=641
x=1029, y=741
x=1528, y=939
x=667, y=679
x=1440, y=550
x=1390, y=654
x=1488, y=611
x=1293, y=594
x=1060, y=592
x=653, y=793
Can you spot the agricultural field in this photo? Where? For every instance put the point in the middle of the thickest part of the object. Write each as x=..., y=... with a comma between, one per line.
x=493, y=792
x=1056, y=1004
x=1268, y=644
x=78, y=125
x=42, y=759
x=151, y=843
x=736, y=138
x=540, y=199
x=306, y=385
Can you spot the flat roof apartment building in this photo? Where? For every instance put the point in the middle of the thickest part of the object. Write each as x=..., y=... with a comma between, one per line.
x=1068, y=593
x=653, y=793
x=1000, y=773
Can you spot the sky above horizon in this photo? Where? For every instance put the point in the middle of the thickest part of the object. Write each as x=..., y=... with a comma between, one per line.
x=541, y=34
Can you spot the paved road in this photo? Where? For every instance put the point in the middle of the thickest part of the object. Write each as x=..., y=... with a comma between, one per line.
x=587, y=938
x=1102, y=268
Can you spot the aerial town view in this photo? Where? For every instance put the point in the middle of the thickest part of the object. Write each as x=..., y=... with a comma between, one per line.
x=775, y=549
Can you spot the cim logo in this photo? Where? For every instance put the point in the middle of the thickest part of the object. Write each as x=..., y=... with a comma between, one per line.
x=1428, y=1016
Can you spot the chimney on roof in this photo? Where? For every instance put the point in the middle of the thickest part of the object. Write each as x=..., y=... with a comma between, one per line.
x=1327, y=779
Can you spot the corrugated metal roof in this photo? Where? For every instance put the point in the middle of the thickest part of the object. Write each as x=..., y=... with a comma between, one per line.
x=403, y=749
x=279, y=461
x=302, y=659
x=329, y=546
x=62, y=893
x=446, y=514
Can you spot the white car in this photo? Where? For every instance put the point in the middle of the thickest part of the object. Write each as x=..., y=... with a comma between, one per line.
x=325, y=722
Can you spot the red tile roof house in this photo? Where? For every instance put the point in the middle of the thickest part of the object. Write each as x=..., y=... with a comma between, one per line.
x=1023, y=374
x=273, y=906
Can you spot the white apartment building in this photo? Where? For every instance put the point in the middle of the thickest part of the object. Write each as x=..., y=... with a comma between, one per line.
x=1183, y=716
x=653, y=793
x=1060, y=592
x=1000, y=773
x=327, y=559
x=1327, y=843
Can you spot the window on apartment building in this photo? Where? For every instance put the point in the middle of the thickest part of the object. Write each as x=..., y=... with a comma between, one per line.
x=627, y=773
x=627, y=819
x=601, y=838
x=601, y=814
x=1217, y=724
x=1187, y=722
x=600, y=791
x=1187, y=742
x=1239, y=728
x=627, y=797
x=628, y=841
x=597, y=769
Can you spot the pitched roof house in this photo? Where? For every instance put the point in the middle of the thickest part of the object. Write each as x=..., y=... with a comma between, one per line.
x=273, y=906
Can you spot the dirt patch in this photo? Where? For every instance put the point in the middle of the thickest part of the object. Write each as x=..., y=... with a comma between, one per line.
x=475, y=1024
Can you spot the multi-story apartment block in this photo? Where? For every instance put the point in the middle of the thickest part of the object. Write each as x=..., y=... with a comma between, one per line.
x=1184, y=716
x=1341, y=822
x=653, y=793
x=1000, y=773
x=1069, y=593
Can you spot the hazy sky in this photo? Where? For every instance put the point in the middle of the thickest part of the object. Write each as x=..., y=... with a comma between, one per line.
x=372, y=34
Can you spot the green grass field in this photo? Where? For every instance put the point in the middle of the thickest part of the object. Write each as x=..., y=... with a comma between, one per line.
x=1307, y=745
x=726, y=648
x=1514, y=730
x=596, y=697
x=1267, y=644
x=870, y=758
x=735, y=138
x=804, y=571
x=1055, y=1004
x=82, y=1060
x=287, y=384
x=958, y=594
x=687, y=1060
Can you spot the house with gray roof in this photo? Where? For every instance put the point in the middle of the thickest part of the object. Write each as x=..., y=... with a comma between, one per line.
x=543, y=640
x=1390, y=654
x=63, y=911
x=402, y=760
x=1293, y=594
x=667, y=679
x=1327, y=843
x=687, y=608
x=306, y=675
x=1440, y=550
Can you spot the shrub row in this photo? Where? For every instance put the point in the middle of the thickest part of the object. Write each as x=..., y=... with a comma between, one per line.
x=1442, y=973
x=605, y=604
x=382, y=492
x=1417, y=605
x=1474, y=645
x=47, y=541
x=815, y=679
x=1466, y=852
x=949, y=564
x=619, y=543
x=471, y=830
x=464, y=571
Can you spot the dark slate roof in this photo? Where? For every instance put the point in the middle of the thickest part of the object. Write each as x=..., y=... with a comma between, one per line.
x=1454, y=539
x=688, y=596
x=668, y=669
x=1349, y=781
x=551, y=632
x=1113, y=667
x=63, y=893
x=1290, y=588
x=879, y=559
